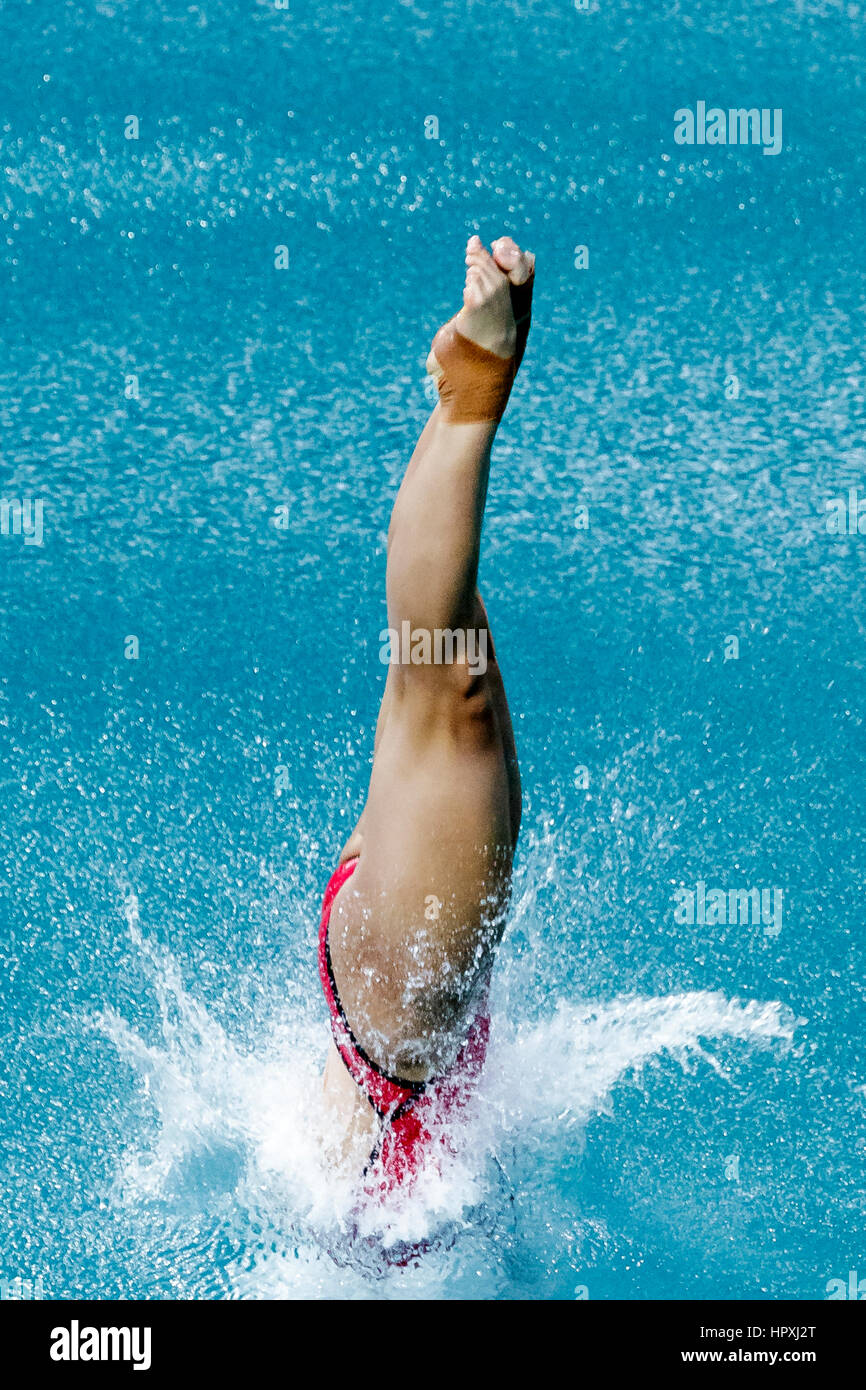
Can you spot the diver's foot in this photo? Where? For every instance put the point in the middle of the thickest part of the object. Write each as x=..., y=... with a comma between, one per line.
x=476, y=354
x=486, y=318
x=519, y=266
x=471, y=357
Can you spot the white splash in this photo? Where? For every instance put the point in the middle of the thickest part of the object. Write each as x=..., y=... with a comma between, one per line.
x=248, y=1127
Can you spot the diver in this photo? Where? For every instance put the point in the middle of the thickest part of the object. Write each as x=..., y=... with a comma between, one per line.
x=415, y=910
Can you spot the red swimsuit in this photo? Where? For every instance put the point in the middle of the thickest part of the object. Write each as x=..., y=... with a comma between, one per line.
x=405, y=1108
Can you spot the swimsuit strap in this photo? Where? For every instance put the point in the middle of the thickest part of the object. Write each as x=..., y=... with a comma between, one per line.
x=387, y=1094
x=403, y=1107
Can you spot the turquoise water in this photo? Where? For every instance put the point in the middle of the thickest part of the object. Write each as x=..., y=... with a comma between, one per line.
x=673, y=1108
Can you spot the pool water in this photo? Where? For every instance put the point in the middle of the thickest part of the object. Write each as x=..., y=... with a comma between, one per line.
x=674, y=1104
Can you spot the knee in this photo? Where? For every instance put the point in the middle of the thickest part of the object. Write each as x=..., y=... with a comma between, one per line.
x=457, y=660
x=466, y=698
x=458, y=693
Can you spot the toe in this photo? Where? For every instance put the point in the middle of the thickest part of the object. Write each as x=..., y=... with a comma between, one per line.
x=518, y=265
x=478, y=256
x=506, y=252
x=474, y=250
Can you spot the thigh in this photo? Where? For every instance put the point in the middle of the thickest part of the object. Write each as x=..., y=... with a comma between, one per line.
x=414, y=929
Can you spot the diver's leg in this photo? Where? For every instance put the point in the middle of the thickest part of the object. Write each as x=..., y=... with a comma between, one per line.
x=518, y=266
x=413, y=930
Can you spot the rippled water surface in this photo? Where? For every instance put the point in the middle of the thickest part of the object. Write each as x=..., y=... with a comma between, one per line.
x=671, y=1109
